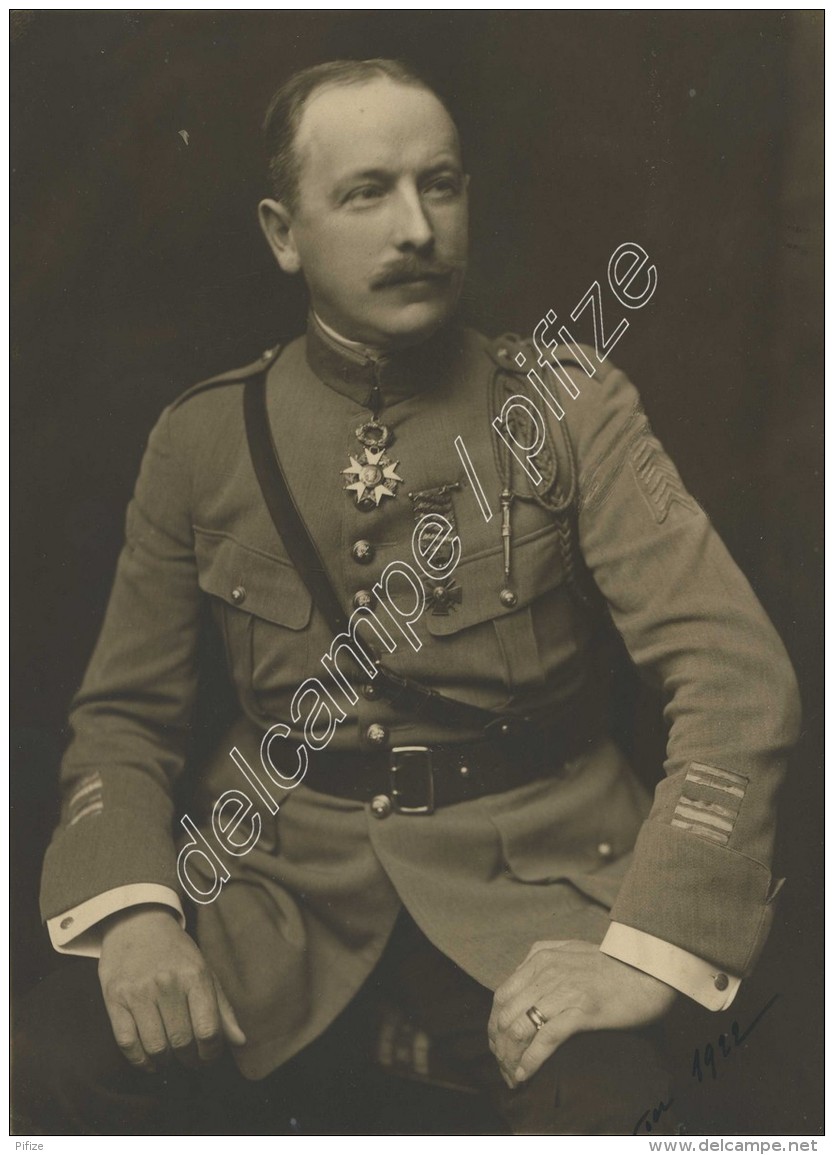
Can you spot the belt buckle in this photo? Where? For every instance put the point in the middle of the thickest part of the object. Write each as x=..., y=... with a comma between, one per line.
x=411, y=769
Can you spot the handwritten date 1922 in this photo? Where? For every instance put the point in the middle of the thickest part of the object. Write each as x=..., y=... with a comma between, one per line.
x=726, y=1045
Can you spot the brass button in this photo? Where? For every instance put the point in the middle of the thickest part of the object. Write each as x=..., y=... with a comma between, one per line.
x=67, y=922
x=380, y=806
x=508, y=598
x=238, y=595
x=605, y=850
x=370, y=692
x=464, y=771
x=721, y=982
x=362, y=551
x=363, y=599
x=376, y=733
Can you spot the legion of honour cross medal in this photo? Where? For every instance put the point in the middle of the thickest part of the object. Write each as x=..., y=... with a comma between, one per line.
x=372, y=475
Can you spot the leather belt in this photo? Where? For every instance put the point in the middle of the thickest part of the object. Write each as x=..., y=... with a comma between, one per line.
x=417, y=780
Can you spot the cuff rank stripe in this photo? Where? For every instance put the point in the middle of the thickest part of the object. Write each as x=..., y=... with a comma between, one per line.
x=707, y=817
x=86, y=799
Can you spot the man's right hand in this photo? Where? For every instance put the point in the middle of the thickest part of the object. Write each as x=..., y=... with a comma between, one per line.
x=159, y=992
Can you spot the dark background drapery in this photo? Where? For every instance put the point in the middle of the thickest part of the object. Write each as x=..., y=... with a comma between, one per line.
x=138, y=268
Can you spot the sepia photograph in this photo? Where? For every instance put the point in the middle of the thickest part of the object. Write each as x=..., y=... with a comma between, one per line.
x=416, y=581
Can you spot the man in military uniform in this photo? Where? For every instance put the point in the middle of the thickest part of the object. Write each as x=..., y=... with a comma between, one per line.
x=520, y=895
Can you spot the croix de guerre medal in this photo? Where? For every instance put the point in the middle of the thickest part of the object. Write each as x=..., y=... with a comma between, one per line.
x=372, y=475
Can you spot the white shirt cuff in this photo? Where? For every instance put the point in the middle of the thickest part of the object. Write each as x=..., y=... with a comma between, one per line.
x=702, y=981
x=77, y=931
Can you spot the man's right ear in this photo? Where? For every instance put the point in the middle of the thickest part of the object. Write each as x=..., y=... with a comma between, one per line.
x=276, y=223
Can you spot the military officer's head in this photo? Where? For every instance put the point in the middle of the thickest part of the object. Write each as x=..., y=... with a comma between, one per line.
x=369, y=199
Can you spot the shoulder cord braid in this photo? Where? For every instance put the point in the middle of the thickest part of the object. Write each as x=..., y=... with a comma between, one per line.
x=558, y=497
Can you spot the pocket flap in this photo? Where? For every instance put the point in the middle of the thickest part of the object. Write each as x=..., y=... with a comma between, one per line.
x=251, y=581
x=537, y=567
x=575, y=824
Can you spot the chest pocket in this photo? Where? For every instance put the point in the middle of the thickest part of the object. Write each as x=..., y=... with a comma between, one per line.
x=534, y=643
x=264, y=612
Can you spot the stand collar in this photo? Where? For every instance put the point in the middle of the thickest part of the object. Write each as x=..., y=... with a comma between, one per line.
x=376, y=379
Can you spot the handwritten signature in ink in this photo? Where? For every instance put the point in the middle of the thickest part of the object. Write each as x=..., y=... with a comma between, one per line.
x=644, y=1123
x=651, y=1117
x=725, y=1047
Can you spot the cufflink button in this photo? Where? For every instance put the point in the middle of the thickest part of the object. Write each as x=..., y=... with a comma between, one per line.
x=721, y=982
x=238, y=595
x=67, y=922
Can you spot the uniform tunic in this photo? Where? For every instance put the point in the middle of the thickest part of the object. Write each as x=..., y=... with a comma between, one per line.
x=306, y=913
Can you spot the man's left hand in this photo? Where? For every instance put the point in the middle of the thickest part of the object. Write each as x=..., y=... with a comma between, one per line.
x=575, y=987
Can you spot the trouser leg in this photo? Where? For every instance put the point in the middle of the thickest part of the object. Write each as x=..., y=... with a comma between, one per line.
x=70, y=1078
x=597, y=1083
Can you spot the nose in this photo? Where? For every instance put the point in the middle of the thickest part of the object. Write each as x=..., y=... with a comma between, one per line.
x=412, y=226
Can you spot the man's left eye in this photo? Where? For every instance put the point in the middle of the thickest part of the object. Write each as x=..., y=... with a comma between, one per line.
x=443, y=187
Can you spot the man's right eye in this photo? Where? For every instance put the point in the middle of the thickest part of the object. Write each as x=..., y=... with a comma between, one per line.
x=365, y=194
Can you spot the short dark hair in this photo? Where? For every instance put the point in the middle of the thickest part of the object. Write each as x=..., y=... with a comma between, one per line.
x=286, y=108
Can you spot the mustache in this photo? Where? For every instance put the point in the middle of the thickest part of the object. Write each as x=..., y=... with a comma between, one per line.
x=412, y=269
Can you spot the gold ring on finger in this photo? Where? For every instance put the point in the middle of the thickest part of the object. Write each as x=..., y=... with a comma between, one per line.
x=536, y=1017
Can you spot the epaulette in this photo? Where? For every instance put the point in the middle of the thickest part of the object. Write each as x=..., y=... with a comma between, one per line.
x=517, y=355
x=232, y=377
